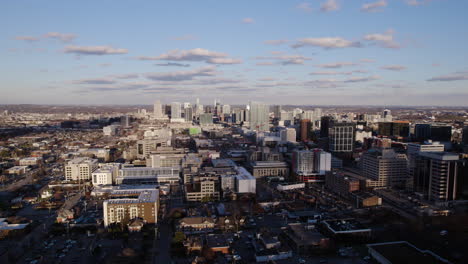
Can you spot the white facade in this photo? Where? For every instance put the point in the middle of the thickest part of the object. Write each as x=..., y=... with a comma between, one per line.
x=245, y=182
x=259, y=117
x=30, y=161
x=158, y=113
x=109, y=130
x=105, y=175
x=80, y=169
x=289, y=134
x=176, y=111
x=287, y=187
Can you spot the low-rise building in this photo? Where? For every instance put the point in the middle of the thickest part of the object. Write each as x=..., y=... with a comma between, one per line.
x=138, y=203
x=30, y=161
x=80, y=169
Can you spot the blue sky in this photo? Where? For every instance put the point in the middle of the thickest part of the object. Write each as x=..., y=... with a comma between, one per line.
x=379, y=52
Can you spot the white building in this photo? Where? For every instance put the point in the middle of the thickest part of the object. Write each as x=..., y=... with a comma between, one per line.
x=288, y=134
x=157, y=111
x=105, y=175
x=110, y=130
x=176, y=111
x=245, y=182
x=30, y=161
x=146, y=175
x=80, y=169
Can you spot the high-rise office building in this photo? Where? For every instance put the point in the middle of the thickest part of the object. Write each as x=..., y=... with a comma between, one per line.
x=341, y=136
x=158, y=112
x=226, y=109
x=311, y=165
x=206, y=119
x=125, y=121
x=176, y=110
x=414, y=149
x=259, y=117
x=306, y=130
x=277, y=111
x=188, y=114
x=441, y=132
x=385, y=168
x=394, y=129
x=286, y=116
x=441, y=176
x=422, y=132
x=288, y=134
x=325, y=125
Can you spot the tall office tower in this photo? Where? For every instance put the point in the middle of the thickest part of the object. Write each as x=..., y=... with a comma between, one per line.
x=385, y=168
x=306, y=130
x=394, y=129
x=125, y=121
x=198, y=101
x=259, y=116
x=386, y=115
x=176, y=111
x=188, y=114
x=441, y=176
x=286, y=115
x=297, y=112
x=288, y=134
x=277, y=111
x=413, y=152
x=308, y=115
x=226, y=109
x=317, y=113
x=341, y=136
x=441, y=132
x=311, y=165
x=206, y=119
x=325, y=125
x=465, y=136
x=158, y=112
x=422, y=132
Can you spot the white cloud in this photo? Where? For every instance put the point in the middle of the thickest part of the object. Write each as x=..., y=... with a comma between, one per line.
x=94, y=50
x=336, y=65
x=336, y=72
x=305, y=7
x=266, y=63
x=276, y=41
x=329, y=5
x=27, y=38
x=182, y=75
x=385, y=40
x=95, y=81
x=64, y=37
x=328, y=43
x=197, y=54
x=224, y=61
x=374, y=6
x=457, y=76
x=361, y=79
x=284, y=59
x=416, y=2
x=394, y=67
x=367, y=60
x=248, y=20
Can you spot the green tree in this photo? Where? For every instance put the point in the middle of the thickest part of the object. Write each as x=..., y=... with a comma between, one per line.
x=179, y=237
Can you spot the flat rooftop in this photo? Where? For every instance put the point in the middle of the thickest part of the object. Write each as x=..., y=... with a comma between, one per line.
x=345, y=226
x=144, y=196
x=402, y=252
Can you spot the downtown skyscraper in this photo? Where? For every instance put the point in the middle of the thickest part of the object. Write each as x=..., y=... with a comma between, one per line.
x=259, y=116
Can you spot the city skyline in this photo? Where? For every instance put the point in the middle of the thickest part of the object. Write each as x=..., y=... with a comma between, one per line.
x=291, y=53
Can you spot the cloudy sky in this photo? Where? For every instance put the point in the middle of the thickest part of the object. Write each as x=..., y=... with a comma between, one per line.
x=317, y=52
